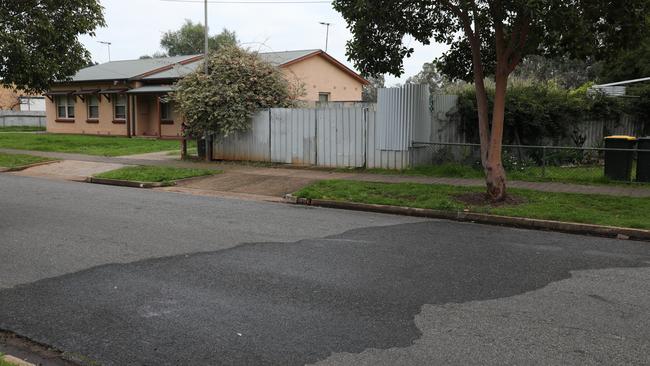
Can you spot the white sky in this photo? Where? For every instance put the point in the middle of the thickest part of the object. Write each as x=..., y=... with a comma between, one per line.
x=135, y=26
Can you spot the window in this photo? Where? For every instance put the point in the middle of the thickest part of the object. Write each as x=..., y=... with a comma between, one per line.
x=323, y=98
x=64, y=106
x=119, y=107
x=165, y=111
x=93, y=107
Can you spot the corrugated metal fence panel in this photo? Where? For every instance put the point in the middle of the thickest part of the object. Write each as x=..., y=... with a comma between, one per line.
x=444, y=128
x=252, y=145
x=397, y=109
x=422, y=122
x=293, y=136
x=341, y=137
x=594, y=132
x=376, y=157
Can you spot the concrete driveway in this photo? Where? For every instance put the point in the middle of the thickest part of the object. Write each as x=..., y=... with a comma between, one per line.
x=117, y=276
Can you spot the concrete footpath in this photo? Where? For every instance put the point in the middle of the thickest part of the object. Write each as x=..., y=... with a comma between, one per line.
x=279, y=180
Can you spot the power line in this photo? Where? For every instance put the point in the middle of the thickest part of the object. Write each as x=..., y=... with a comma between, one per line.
x=251, y=2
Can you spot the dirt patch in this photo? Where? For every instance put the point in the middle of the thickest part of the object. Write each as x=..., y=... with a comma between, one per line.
x=482, y=199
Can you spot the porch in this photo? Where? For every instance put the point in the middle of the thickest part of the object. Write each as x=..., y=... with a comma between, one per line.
x=150, y=115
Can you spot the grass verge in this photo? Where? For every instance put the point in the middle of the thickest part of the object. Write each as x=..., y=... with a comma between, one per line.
x=13, y=161
x=576, y=175
x=85, y=144
x=582, y=208
x=3, y=362
x=21, y=128
x=155, y=174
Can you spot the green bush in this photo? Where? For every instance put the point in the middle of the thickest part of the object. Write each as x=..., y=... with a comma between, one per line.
x=542, y=113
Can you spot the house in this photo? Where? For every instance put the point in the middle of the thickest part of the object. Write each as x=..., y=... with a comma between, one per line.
x=18, y=100
x=125, y=97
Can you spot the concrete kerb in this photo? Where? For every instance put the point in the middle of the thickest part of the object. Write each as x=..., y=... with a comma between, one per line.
x=137, y=184
x=127, y=183
x=520, y=222
x=23, y=167
x=15, y=361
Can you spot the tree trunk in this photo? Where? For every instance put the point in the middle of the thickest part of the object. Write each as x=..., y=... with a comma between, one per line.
x=495, y=174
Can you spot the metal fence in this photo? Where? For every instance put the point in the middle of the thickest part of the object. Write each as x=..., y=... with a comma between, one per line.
x=373, y=137
x=582, y=165
x=447, y=127
x=22, y=118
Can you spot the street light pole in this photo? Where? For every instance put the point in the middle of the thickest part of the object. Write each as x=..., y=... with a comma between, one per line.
x=327, y=32
x=108, y=44
x=205, y=29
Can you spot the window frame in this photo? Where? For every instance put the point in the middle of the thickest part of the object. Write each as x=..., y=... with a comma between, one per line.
x=67, y=105
x=116, y=99
x=89, y=117
x=325, y=94
x=166, y=107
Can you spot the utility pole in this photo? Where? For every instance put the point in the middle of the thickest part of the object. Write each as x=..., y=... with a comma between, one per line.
x=327, y=32
x=208, y=136
x=108, y=44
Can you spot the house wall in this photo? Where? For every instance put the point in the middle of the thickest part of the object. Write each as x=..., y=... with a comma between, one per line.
x=81, y=125
x=320, y=75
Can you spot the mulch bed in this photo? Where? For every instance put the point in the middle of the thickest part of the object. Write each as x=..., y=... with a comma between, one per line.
x=482, y=199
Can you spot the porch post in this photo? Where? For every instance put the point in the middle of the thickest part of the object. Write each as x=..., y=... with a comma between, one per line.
x=158, y=116
x=128, y=116
x=134, y=126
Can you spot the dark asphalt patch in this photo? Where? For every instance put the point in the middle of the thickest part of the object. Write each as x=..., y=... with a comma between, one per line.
x=291, y=304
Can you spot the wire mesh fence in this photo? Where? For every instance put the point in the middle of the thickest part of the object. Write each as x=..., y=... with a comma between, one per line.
x=534, y=163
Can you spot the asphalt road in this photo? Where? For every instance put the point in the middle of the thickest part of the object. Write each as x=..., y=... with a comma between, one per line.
x=117, y=276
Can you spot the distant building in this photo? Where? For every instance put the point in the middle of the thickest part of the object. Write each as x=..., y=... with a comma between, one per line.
x=123, y=97
x=17, y=100
x=617, y=89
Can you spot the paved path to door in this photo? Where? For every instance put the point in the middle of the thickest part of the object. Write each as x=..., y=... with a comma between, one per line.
x=277, y=181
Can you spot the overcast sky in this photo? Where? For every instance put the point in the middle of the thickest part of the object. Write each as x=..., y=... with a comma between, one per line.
x=135, y=26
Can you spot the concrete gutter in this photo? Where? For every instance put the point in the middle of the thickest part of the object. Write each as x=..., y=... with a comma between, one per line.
x=521, y=222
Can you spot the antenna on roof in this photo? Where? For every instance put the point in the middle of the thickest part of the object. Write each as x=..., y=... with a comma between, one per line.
x=108, y=44
x=327, y=32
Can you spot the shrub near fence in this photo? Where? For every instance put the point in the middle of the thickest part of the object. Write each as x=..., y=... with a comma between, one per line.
x=527, y=163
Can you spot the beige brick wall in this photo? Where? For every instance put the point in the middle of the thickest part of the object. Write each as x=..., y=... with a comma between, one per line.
x=81, y=125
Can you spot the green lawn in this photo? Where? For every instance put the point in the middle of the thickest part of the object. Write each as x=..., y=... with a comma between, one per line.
x=157, y=174
x=86, y=144
x=19, y=160
x=578, y=174
x=583, y=208
x=21, y=128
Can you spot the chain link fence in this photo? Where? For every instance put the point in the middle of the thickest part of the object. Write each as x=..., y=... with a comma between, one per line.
x=580, y=165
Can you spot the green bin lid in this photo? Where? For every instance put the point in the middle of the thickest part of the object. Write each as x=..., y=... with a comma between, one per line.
x=621, y=137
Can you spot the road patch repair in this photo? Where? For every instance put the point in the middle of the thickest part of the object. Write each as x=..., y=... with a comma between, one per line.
x=351, y=296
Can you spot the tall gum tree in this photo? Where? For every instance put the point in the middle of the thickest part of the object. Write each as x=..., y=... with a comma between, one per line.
x=488, y=39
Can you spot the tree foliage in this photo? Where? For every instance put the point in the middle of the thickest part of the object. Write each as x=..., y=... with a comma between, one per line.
x=488, y=37
x=631, y=63
x=39, y=40
x=428, y=76
x=238, y=83
x=190, y=40
x=543, y=113
x=369, y=92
